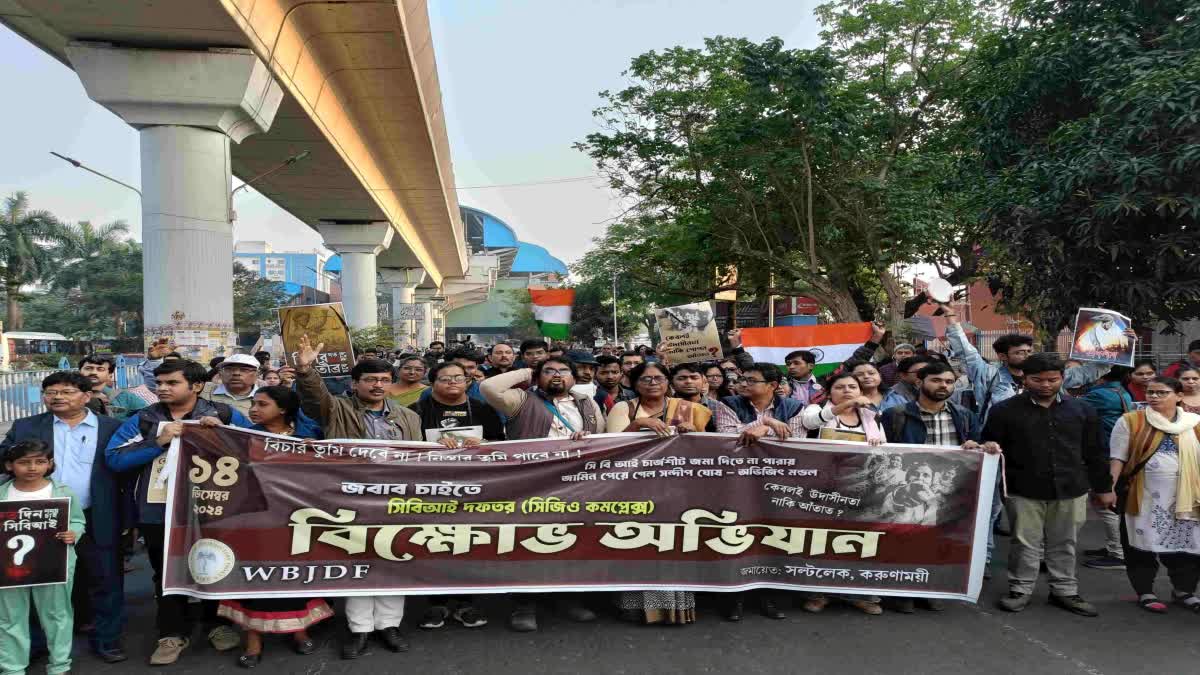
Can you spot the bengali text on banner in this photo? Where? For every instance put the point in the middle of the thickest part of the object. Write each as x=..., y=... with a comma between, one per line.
x=256, y=515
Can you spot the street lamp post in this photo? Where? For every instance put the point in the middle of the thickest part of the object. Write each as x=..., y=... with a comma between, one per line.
x=616, y=339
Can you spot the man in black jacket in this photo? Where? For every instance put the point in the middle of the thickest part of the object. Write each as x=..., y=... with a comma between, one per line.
x=1053, y=457
x=79, y=438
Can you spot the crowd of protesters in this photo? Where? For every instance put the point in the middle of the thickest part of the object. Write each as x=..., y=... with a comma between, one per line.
x=1128, y=438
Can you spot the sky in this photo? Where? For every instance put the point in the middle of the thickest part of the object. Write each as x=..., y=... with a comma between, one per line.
x=519, y=78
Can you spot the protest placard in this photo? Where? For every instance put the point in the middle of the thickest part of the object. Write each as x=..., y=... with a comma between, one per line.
x=325, y=324
x=30, y=552
x=688, y=333
x=1100, y=336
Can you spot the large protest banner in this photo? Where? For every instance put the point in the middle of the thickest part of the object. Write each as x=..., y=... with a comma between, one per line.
x=324, y=325
x=30, y=552
x=255, y=515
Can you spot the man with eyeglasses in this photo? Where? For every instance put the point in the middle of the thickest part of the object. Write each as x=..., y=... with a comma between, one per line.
x=761, y=411
x=470, y=361
x=448, y=407
x=548, y=410
x=365, y=413
x=79, y=437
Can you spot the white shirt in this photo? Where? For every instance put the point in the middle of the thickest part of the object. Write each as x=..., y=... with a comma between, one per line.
x=567, y=408
x=15, y=495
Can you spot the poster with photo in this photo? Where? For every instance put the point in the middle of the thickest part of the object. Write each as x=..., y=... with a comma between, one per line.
x=1100, y=336
x=323, y=324
x=688, y=333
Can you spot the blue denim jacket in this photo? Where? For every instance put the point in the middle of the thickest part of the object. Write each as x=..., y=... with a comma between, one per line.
x=995, y=378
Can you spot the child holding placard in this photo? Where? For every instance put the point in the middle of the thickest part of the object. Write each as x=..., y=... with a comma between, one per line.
x=30, y=463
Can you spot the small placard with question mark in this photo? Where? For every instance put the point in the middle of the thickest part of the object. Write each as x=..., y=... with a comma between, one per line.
x=30, y=552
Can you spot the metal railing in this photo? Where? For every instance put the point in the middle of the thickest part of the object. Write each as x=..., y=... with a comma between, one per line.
x=21, y=390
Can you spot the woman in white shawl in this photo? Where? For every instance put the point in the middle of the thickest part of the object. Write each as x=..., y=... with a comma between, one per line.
x=1155, y=461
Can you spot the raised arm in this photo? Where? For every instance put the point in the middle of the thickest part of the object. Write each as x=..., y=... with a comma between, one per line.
x=315, y=399
x=498, y=391
x=978, y=369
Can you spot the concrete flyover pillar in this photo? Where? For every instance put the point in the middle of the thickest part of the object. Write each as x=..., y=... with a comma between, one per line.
x=428, y=309
x=358, y=244
x=188, y=105
x=403, y=282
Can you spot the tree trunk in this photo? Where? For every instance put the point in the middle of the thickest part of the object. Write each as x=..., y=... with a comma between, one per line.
x=118, y=326
x=15, y=320
x=896, y=297
x=840, y=303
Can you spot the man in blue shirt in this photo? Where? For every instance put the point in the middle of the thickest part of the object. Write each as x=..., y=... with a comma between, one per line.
x=79, y=437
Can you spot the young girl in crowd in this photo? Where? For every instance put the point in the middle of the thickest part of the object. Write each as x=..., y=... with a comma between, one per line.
x=29, y=463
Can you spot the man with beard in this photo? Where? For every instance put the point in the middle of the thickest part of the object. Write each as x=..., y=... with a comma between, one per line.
x=933, y=419
x=687, y=379
x=548, y=410
x=106, y=400
x=433, y=355
x=629, y=361
x=501, y=356
x=609, y=390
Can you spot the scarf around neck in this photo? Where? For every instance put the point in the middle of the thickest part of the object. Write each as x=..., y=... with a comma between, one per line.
x=1187, y=495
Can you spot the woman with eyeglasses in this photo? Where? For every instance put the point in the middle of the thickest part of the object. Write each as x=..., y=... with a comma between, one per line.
x=407, y=390
x=276, y=410
x=1155, y=463
x=718, y=382
x=654, y=411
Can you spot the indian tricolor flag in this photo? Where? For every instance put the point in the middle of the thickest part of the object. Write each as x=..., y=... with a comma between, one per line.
x=552, y=311
x=832, y=343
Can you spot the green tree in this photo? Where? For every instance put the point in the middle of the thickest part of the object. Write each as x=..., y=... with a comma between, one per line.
x=95, y=297
x=26, y=236
x=519, y=313
x=79, y=245
x=367, y=339
x=255, y=300
x=808, y=172
x=1087, y=116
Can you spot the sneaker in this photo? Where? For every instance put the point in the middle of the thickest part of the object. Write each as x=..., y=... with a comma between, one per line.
x=1014, y=601
x=1105, y=562
x=1095, y=552
x=470, y=617
x=223, y=638
x=523, y=619
x=1074, y=604
x=904, y=605
x=168, y=651
x=435, y=617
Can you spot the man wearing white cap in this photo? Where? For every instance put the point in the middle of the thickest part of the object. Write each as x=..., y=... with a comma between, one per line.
x=239, y=380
